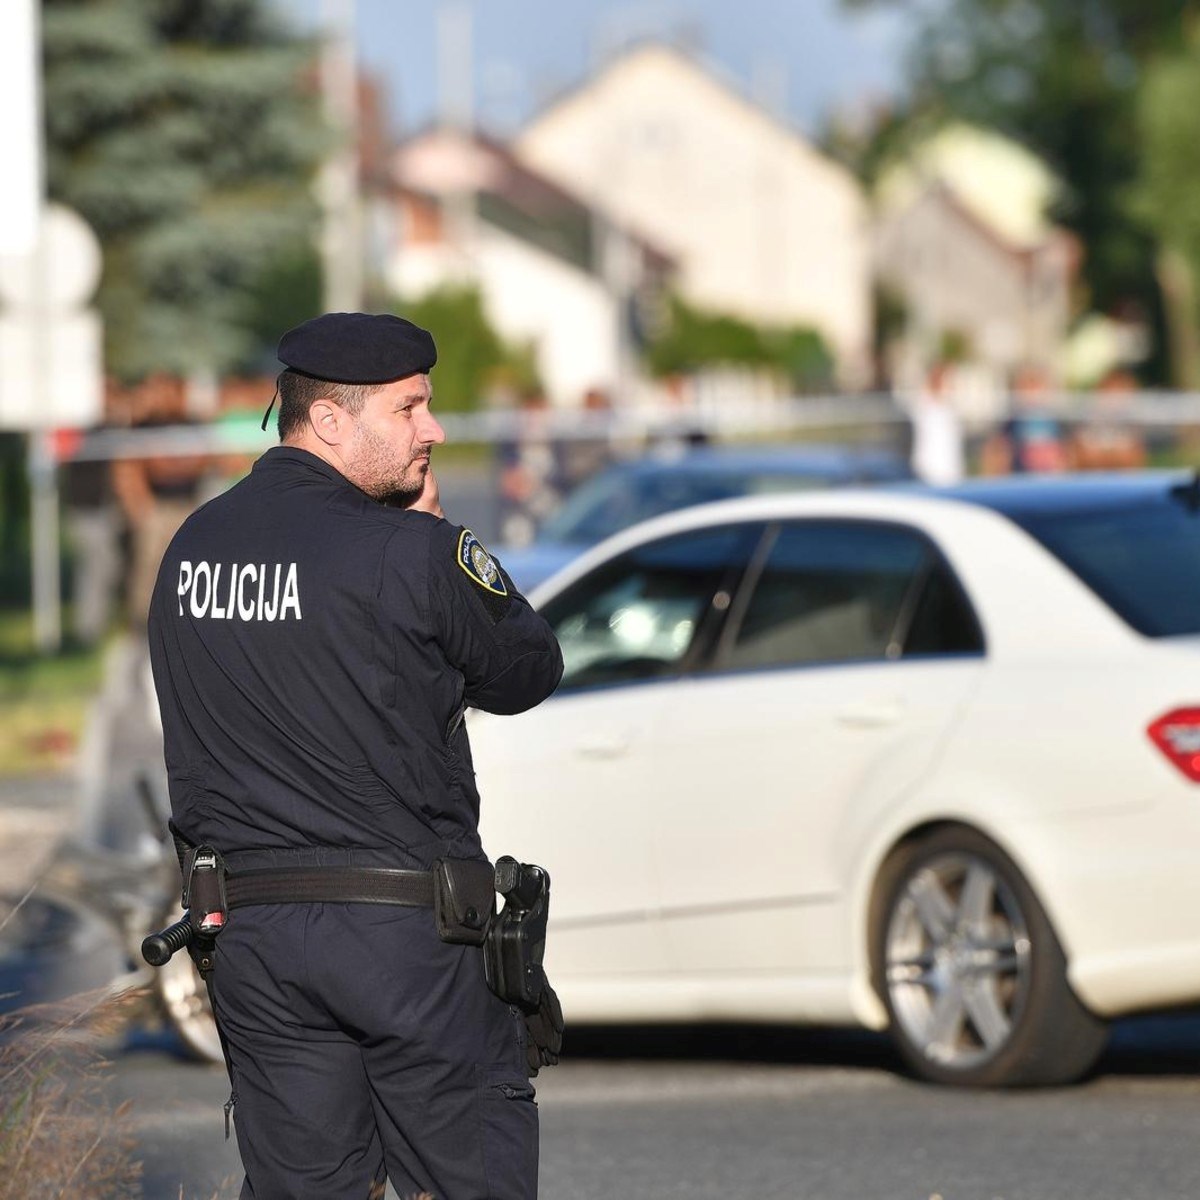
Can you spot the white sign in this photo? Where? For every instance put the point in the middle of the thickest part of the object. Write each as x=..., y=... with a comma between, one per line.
x=50, y=371
x=59, y=272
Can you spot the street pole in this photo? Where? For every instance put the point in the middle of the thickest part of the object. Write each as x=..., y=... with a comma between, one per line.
x=338, y=183
x=456, y=104
x=43, y=472
x=43, y=501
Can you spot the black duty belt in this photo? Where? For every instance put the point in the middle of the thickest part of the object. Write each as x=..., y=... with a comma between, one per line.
x=333, y=885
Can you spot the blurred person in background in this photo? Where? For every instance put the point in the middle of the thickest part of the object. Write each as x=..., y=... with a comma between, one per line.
x=682, y=430
x=1032, y=440
x=93, y=524
x=157, y=492
x=937, y=445
x=530, y=484
x=1107, y=443
x=587, y=455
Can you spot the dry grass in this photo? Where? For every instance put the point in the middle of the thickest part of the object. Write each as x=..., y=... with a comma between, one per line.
x=59, y=1137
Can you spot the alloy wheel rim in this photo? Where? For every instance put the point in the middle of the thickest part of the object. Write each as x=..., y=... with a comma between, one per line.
x=957, y=961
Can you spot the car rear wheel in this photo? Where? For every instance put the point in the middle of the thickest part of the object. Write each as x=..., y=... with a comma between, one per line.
x=971, y=972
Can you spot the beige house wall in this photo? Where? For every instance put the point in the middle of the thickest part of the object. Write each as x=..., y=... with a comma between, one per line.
x=952, y=274
x=761, y=224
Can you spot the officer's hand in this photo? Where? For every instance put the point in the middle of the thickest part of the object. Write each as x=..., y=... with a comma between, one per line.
x=430, y=499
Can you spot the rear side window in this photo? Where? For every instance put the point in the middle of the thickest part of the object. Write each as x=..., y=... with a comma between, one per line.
x=1142, y=559
x=828, y=592
x=942, y=620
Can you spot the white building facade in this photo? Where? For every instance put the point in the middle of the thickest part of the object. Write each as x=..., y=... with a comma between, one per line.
x=760, y=224
x=963, y=242
x=471, y=214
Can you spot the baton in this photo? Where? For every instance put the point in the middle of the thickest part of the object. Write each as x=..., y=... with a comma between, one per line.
x=158, y=947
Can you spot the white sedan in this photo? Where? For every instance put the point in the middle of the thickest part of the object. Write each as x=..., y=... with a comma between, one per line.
x=910, y=760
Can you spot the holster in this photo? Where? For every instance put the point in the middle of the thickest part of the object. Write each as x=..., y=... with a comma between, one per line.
x=464, y=899
x=513, y=954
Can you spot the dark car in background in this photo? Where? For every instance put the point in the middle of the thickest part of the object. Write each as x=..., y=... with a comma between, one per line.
x=633, y=491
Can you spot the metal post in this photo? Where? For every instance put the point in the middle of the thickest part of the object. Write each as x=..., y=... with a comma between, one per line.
x=456, y=103
x=338, y=185
x=43, y=496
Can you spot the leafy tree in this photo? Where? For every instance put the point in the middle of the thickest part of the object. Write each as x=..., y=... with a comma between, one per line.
x=472, y=357
x=1167, y=195
x=186, y=134
x=1061, y=76
x=691, y=340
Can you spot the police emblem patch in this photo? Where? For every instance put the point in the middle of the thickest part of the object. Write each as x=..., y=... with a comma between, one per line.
x=479, y=564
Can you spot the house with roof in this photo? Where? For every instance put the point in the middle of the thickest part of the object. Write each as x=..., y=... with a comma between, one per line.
x=964, y=244
x=761, y=224
x=466, y=210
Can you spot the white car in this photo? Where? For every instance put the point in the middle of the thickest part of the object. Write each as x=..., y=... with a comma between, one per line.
x=910, y=760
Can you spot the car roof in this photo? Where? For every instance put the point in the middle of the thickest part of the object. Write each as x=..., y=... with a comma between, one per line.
x=1017, y=496
x=794, y=459
x=1009, y=497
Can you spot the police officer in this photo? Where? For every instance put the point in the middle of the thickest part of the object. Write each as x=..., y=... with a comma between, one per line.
x=316, y=634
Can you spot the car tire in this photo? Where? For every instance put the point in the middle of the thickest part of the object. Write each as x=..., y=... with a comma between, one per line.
x=971, y=973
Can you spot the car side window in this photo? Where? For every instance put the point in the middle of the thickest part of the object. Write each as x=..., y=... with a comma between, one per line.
x=828, y=591
x=637, y=617
x=943, y=621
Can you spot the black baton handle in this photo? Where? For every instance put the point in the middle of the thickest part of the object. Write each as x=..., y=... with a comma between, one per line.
x=158, y=947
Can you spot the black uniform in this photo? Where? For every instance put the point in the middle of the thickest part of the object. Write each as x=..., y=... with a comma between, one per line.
x=313, y=653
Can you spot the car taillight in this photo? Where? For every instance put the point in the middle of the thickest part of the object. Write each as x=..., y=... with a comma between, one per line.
x=1177, y=735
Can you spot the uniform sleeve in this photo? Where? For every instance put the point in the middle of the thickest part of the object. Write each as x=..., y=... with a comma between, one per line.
x=508, y=656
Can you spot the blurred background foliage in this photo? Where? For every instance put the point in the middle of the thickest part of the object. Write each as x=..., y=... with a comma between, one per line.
x=1100, y=89
x=473, y=360
x=690, y=340
x=188, y=136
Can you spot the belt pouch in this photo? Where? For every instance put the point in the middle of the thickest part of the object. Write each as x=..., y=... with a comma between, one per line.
x=464, y=899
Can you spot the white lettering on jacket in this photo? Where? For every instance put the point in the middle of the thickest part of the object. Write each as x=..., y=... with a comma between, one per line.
x=250, y=592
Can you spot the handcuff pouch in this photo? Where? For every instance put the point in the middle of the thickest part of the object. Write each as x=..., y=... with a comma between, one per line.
x=464, y=899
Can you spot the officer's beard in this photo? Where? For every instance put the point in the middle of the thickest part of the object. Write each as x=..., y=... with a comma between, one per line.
x=373, y=468
x=403, y=497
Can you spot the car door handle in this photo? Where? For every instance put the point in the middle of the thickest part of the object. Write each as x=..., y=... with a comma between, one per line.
x=612, y=744
x=871, y=716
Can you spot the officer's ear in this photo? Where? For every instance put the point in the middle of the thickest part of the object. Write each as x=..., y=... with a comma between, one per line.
x=329, y=421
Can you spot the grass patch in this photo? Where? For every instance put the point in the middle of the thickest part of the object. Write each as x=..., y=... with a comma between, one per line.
x=43, y=699
x=58, y=1134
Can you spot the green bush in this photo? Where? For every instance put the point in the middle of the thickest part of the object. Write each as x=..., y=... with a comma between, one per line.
x=692, y=339
x=472, y=357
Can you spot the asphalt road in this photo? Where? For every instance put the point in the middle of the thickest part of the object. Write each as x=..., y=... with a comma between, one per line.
x=775, y=1114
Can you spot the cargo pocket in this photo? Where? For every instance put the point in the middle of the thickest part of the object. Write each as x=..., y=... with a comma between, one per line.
x=509, y=1133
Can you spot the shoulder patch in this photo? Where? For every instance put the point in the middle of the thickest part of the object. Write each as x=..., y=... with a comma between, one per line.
x=479, y=564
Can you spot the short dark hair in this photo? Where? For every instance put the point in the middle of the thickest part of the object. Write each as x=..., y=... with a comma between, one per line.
x=298, y=391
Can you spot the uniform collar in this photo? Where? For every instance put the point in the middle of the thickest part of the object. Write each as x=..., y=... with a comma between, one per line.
x=294, y=456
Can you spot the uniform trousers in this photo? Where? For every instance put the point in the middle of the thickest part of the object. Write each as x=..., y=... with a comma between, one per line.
x=361, y=1047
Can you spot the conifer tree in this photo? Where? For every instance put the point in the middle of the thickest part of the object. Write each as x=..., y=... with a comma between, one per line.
x=186, y=132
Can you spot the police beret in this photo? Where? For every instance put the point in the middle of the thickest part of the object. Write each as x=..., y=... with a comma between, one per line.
x=358, y=348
